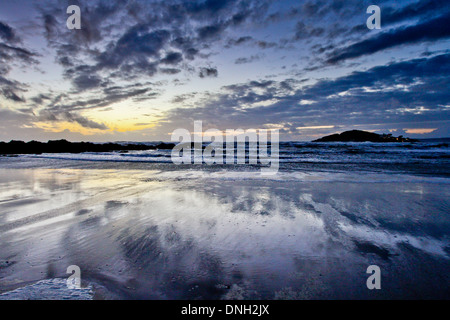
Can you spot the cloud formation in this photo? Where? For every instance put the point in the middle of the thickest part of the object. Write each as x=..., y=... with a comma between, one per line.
x=391, y=94
x=232, y=63
x=11, y=53
x=431, y=30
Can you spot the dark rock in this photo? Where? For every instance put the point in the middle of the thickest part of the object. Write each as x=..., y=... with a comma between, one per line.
x=63, y=146
x=363, y=136
x=165, y=146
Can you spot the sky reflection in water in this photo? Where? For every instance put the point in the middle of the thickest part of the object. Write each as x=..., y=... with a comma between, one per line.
x=147, y=234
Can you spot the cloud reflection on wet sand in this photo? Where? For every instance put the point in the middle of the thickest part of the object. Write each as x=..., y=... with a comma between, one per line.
x=145, y=234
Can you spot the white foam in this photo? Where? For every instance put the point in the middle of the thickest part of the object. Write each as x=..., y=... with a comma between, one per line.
x=52, y=289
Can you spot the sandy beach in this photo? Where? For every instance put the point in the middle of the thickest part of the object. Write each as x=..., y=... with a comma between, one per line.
x=142, y=231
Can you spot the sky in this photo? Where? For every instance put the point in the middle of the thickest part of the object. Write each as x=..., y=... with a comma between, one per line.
x=138, y=70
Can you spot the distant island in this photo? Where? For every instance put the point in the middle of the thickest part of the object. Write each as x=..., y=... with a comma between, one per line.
x=363, y=136
x=64, y=146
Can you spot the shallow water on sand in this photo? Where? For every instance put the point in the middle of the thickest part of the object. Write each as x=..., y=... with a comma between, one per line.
x=191, y=234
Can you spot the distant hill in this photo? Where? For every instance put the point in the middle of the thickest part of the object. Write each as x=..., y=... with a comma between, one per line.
x=363, y=136
x=64, y=146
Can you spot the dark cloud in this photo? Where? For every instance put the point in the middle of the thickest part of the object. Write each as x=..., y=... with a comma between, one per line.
x=247, y=40
x=83, y=121
x=191, y=53
x=9, y=53
x=85, y=82
x=13, y=54
x=184, y=97
x=136, y=46
x=313, y=8
x=389, y=75
x=50, y=25
x=146, y=37
x=8, y=93
x=208, y=6
x=211, y=31
x=302, y=31
x=94, y=18
x=245, y=60
x=266, y=44
x=169, y=70
x=39, y=99
x=431, y=30
x=208, y=72
x=109, y=97
x=418, y=9
x=7, y=33
x=49, y=116
x=239, y=41
x=239, y=18
x=172, y=58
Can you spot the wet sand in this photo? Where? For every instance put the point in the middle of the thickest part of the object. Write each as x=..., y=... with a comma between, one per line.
x=146, y=233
